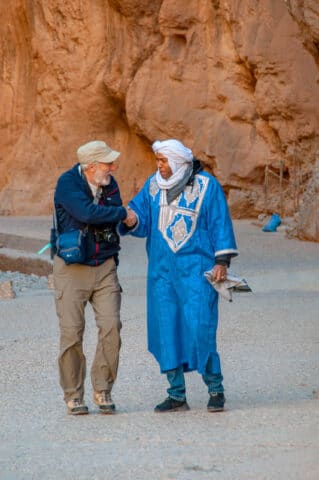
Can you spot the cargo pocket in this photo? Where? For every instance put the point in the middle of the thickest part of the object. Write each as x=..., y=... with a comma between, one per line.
x=59, y=302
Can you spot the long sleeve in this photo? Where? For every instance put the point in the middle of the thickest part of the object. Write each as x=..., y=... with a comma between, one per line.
x=77, y=203
x=141, y=206
x=220, y=226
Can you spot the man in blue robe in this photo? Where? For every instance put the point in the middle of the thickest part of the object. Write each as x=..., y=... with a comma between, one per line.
x=182, y=211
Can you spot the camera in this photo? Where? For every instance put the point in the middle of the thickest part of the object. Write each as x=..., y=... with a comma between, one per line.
x=106, y=235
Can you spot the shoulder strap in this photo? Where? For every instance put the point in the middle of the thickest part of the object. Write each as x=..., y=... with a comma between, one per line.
x=55, y=220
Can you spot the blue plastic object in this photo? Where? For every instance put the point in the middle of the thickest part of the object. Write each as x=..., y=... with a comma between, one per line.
x=273, y=223
x=43, y=249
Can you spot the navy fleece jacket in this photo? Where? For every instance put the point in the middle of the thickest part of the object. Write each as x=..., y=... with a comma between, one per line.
x=75, y=209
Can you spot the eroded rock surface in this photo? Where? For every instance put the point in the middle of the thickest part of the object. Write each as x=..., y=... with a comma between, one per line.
x=306, y=222
x=237, y=81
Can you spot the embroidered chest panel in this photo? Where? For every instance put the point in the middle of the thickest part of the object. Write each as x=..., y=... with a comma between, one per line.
x=153, y=187
x=177, y=221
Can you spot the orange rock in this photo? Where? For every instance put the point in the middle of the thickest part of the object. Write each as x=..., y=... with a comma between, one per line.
x=307, y=227
x=6, y=290
x=237, y=81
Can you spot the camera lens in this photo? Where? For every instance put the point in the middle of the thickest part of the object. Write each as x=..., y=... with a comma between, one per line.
x=111, y=238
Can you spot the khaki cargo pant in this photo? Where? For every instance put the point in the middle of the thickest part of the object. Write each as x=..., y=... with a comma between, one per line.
x=75, y=285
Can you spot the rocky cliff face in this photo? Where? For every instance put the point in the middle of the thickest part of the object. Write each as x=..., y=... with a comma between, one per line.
x=306, y=222
x=236, y=80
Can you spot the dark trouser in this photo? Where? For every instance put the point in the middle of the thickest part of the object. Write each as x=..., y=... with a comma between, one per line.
x=176, y=379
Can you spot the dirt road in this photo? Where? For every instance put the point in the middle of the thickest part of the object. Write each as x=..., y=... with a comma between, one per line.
x=269, y=347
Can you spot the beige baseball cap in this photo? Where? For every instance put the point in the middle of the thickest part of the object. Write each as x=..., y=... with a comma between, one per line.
x=96, y=151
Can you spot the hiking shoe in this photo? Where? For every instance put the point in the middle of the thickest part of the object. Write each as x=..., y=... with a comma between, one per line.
x=171, y=405
x=104, y=401
x=76, y=406
x=216, y=402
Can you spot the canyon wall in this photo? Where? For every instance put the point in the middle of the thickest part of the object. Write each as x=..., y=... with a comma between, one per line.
x=236, y=80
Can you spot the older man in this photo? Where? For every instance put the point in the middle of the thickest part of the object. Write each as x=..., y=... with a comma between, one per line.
x=183, y=213
x=87, y=197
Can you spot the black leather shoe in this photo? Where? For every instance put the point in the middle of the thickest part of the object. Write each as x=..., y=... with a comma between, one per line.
x=171, y=405
x=216, y=402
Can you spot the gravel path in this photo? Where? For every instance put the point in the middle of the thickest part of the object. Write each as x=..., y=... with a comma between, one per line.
x=269, y=346
x=22, y=282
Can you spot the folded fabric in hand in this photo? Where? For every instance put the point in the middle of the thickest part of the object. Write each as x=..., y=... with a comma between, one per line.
x=233, y=283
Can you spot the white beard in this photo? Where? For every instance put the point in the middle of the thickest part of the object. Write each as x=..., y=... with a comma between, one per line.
x=101, y=179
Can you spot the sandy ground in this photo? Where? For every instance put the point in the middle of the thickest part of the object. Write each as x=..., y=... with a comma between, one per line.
x=269, y=346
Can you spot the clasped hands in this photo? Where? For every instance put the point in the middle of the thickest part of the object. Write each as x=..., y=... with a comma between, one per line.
x=131, y=218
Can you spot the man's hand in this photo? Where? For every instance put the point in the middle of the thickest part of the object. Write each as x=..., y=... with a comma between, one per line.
x=131, y=218
x=219, y=273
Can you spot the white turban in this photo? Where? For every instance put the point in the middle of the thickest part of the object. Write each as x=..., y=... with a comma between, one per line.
x=175, y=152
x=179, y=159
